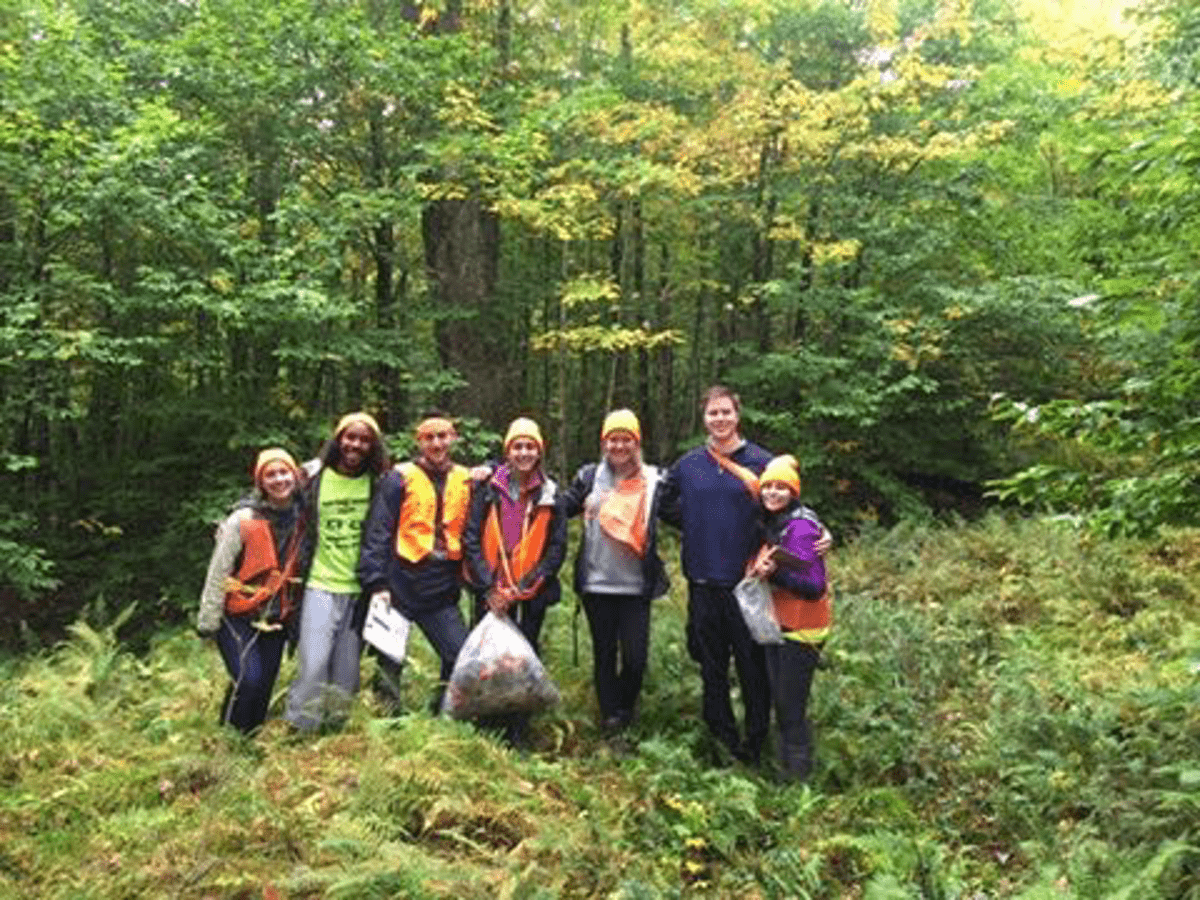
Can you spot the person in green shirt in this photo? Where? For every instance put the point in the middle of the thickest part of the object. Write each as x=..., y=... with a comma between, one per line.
x=340, y=484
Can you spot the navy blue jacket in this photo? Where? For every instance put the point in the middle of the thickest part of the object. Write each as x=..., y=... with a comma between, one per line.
x=717, y=516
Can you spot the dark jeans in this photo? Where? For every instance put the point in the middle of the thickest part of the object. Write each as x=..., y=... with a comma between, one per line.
x=716, y=631
x=446, y=631
x=252, y=659
x=791, y=666
x=620, y=624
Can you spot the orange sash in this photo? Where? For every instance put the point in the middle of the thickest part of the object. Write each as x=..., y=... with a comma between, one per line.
x=622, y=516
x=808, y=621
x=528, y=552
x=748, y=478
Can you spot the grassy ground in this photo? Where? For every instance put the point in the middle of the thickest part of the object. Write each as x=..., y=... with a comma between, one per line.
x=1009, y=710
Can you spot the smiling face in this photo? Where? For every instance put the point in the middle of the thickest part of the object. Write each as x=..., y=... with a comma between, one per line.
x=436, y=444
x=523, y=455
x=721, y=419
x=354, y=446
x=620, y=450
x=775, y=495
x=277, y=481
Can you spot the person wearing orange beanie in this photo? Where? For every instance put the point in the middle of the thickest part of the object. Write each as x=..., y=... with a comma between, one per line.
x=794, y=571
x=339, y=485
x=618, y=571
x=251, y=589
x=412, y=551
x=514, y=543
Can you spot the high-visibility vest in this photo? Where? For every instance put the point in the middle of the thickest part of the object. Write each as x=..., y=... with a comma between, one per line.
x=809, y=620
x=524, y=557
x=260, y=577
x=415, y=526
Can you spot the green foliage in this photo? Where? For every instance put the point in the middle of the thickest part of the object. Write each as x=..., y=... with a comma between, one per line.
x=1008, y=709
x=228, y=223
x=27, y=569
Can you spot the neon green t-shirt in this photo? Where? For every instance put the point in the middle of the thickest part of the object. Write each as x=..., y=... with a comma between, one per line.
x=342, y=504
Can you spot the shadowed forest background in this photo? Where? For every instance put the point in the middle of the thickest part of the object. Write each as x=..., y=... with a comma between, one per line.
x=945, y=250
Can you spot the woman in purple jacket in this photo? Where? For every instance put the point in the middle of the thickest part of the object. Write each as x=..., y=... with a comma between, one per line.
x=795, y=573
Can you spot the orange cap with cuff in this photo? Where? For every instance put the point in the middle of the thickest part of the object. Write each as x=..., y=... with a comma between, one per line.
x=358, y=418
x=524, y=428
x=270, y=455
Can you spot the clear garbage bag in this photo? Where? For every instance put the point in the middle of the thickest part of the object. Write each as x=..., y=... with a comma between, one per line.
x=497, y=672
x=758, y=609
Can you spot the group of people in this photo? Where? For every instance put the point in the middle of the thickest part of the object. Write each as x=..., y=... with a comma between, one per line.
x=303, y=556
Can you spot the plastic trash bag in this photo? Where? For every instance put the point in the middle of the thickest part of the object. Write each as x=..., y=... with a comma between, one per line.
x=497, y=672
x=758, y=609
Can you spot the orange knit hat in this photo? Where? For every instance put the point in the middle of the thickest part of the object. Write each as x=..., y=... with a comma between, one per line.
x=358, y=418
x=524, y=428
x=270, y=455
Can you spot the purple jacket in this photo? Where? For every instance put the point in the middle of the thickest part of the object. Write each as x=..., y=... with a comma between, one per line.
x=795, y=531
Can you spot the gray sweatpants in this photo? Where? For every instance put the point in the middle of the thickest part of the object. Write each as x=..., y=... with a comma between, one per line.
x=327, y=674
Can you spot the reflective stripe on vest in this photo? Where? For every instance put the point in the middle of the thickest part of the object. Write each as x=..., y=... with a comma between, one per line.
x=800, y=619
x=260, y=577
x=415, y=526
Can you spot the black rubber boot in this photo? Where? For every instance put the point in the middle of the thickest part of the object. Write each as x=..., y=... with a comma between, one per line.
x=796, y=752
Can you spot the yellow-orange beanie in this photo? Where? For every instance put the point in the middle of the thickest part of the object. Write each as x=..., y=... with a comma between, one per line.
x=784, y=469
x=358, y=418
x=621, y=420
x=270, y=455
x=524, y=428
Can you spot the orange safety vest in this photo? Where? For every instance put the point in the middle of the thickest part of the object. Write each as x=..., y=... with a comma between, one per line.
x=260, y=577
x=415, y=527
x=524, y=557
x=809, y=618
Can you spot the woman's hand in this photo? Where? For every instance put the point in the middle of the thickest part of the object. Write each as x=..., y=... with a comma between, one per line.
x=763, y=564
x=824, y=543
x=499, y=599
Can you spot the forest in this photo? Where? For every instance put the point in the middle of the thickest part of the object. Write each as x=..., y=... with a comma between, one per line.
x=945, y=250
x=942, y=249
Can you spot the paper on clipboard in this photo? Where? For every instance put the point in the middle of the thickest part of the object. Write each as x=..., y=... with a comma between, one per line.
x=386, y=628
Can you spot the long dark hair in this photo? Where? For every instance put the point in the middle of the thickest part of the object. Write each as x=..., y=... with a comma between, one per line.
x=377, y=461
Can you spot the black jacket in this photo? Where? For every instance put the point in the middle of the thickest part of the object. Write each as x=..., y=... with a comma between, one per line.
x=479, y=574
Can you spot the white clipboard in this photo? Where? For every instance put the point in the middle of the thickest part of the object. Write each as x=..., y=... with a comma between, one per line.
x=386, y=628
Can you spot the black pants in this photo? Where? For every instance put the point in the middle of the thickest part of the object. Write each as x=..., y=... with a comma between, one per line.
x=791, y=666
x=620, y=626
x=252, y=659
x=445, y=630
x=716, y=631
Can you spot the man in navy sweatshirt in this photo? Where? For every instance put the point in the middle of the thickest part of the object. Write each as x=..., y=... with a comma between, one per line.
x=711, y=495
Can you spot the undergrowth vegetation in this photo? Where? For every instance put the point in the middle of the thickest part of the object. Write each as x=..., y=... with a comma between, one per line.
x=1008, y=709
